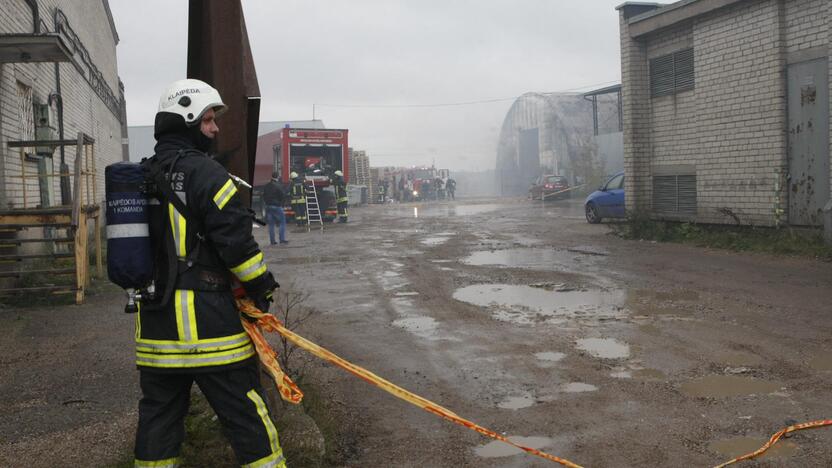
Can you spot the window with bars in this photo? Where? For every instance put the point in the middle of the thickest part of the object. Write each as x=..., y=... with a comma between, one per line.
x=26, y=111
x=672, y=73
x=674, y=194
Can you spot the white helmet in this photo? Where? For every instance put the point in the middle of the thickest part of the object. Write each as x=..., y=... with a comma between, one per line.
x=339, y=173
x=293, y=175
x=190, y=99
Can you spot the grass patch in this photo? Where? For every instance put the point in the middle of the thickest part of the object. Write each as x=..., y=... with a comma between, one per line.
x=782, y=241
x=337, y=428
x=204, y=445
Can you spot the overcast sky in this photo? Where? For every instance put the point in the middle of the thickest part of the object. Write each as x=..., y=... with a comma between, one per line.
x=389, y=52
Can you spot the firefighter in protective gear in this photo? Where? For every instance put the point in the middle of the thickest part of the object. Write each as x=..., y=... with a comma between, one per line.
x=298, y=195
x=191, y=332
x=341, y=197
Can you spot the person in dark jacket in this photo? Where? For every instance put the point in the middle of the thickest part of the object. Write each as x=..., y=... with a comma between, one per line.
x=191, y=332
x=273, y=198
x=451, y=188
x=298, y=199
x=341, y=198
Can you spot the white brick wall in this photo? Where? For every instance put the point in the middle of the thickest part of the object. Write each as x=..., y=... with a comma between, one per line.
x=731, y=127
x=84, y=110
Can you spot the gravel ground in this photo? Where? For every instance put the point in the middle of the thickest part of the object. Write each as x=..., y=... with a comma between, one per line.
x=519, y=316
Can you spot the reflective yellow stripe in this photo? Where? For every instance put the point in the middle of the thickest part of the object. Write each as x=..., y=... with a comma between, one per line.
x=275, y=460
x=179, y=227
x=251, y=268
x=167, y=463
x=224, y=194
x=139, y=325
x=267, y=421
x=195, y=360
x=208, y=345
x=185, y=315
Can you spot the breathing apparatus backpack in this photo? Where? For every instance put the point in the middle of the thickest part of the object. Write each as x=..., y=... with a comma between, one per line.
x=134, y=191
x=129, y=251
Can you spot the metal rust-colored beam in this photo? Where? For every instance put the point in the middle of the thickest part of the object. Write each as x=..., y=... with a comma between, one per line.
x=219, y=54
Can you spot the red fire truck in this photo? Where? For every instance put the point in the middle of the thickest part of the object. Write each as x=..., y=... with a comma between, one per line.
x=315, y=154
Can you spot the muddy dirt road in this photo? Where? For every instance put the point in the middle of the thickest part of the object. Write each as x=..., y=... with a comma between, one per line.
x=518, y=316
x=533, y=323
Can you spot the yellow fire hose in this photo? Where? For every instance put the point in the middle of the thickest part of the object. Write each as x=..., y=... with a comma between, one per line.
x=291, y=393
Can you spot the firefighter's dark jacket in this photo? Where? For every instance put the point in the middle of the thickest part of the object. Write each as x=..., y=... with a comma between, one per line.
x=197, y=327
x=340, y=190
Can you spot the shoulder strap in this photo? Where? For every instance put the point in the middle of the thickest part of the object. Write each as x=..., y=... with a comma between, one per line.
x=162, y=182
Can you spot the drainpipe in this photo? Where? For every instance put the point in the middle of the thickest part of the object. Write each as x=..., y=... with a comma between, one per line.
x=33, y=5
x=66, y=190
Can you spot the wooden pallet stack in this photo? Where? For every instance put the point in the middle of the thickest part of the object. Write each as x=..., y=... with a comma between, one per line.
x=360, y=168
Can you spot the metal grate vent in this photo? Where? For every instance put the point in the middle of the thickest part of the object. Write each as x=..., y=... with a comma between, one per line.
x=674, y=194
x=672, y=73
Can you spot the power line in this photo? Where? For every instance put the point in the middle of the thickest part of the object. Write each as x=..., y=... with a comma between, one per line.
x=390, y=106
x=452, y=104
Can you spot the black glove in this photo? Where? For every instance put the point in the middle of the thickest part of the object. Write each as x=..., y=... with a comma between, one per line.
x=264, y=301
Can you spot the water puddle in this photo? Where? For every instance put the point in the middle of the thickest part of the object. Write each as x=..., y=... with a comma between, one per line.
x=442, y=261
x=550, y=356
x=821, y=362
x=577, y=387
x=470, y=210
x=307, y=260
x=589, y=250
x=621, y=374
x=406, y=294
x=423, y=327
x=738, y=358
x=516, y=402
x=436, y=240
x=525, y=304
x=672, y=296
x=498, y=449
x=737, y=446
x=604, y=348
x=719, y=386
x=445, y=269
x=391, y=274
x=524, y=241
x=649, y=374
x=533, y=259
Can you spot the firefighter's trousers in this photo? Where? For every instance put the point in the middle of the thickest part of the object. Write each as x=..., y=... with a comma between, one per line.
x=300, y=212
x=235, y=395
x=343, y=211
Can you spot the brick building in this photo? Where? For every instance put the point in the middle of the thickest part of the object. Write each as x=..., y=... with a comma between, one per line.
x=57, y=59
x=726, y=107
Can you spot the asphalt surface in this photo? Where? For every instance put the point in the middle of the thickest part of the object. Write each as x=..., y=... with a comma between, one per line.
x=516, y=315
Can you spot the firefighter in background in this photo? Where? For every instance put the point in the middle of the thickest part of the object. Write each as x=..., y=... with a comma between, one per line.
x=298, y=195
x=341, y=197
x=450, y=185
x=200, y=231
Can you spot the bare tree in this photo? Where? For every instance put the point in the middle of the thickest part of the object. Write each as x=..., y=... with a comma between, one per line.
x=290, y=310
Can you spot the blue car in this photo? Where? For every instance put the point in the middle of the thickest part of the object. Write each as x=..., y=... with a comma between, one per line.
x=607, y=201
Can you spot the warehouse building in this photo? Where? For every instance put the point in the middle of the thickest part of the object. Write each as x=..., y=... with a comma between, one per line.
x=58, y=77
x=543, y=133
x=726, y=110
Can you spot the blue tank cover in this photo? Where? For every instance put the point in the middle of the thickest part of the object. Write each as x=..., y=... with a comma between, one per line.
x=129, y=252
